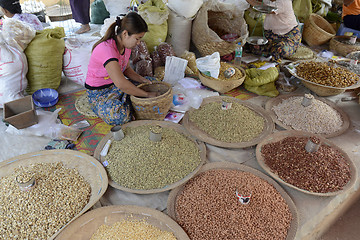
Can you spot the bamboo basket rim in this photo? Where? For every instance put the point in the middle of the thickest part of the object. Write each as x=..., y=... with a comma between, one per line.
x=343, y=48
x=243, y=168
x=139, y=99
x=324, y=22
x=277, y=136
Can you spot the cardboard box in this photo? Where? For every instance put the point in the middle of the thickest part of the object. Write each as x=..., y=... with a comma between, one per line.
x=21, y=112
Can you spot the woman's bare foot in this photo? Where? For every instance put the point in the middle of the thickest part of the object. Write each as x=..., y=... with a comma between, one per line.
x=83, y=29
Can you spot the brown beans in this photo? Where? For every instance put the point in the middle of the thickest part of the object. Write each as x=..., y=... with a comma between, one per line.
x=323, y=171
x=208, y=207
x=325, y=74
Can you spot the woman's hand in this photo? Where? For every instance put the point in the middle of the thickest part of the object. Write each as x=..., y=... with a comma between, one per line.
x=145, y=80
x=153, y=94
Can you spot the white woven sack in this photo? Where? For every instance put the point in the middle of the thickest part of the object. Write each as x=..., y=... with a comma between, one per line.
x=179, y=32
x=116, y=7
x=13, y=72
x=185, y=8
x=76, y=58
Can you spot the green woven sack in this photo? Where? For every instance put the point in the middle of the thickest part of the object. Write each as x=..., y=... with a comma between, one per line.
x=262, y=82
x=98, y=12
x=45, y=59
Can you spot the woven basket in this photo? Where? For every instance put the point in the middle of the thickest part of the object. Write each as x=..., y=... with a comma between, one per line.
x=216, y=19
x=317, y=30
x=342, y=47
x=322, y=91
x=154, y=108
x=222, y=86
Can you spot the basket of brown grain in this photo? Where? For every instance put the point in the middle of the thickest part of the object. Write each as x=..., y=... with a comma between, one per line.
x=154, y=108
x=223, y=84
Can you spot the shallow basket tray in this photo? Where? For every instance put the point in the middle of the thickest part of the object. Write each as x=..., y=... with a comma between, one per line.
x=93, y=172
x=278, y=136
x=82, y=105
x=319, y=89
x=85, y=226
x=164, y=124
x=341, y=47
x=154, y=108
x=302, y=53
x=276, y=101
x=240, y=167
x=269, y=125
x=223, y=86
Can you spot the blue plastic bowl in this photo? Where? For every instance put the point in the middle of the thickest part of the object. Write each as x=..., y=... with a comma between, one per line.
x=45, y=97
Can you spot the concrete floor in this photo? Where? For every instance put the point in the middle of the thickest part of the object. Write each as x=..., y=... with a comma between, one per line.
x=347, y=226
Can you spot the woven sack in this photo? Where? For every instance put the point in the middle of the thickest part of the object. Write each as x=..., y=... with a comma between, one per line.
x=45, y=59
x=337, y=44
x=154, y=108
x=216, y=19
x=317, y=30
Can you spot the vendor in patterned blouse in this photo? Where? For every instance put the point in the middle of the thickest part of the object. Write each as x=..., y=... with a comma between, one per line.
x=280, y=29
x=12, y=9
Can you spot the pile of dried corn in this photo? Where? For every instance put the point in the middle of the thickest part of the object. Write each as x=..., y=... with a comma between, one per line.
x=131, y=229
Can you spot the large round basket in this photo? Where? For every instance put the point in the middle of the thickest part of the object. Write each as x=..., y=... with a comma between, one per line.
x=317, y=30
x=85, y=226
x=278, y=136
x=171, y=204
x=93, y=172
x=205, y=137
x=154, y=108
x=340, y=45
x=164, y=124
x=279, y=99
x=222, y=86
x=319, y=89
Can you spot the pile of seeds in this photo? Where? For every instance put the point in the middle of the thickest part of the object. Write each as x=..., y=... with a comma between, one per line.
x=325, y=74
x=237, y=124
x=223, y=66
x=136, y=162
x=131, y=229
x=208, y=207
x=317, y=118
x=355, y=68
x=59, y=194
x=323, y=171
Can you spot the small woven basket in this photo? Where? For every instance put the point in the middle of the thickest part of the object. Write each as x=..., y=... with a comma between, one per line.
x=154, y=108
x=338, y=44
x=317, y=30
x=222, y=86
x=322, y=91
x=302, y=53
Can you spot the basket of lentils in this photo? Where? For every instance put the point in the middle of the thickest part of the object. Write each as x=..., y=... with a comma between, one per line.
x=153, y=156
x=324, y=78
x=124, y=222
x=42, y=192
x=308, y=113
x=228, y=122
x=232, y=201
x=230, y=77
x=306, y=162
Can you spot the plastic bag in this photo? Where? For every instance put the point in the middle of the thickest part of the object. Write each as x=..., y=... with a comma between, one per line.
x=174, y=69
x=116, y=7
x=144, y=68
x=140, y=52
x=185, y=8
x=156, y=60
x=17, y=34
x=209, y=65
x=190, y=56
x=98, y=12
x=165, y=50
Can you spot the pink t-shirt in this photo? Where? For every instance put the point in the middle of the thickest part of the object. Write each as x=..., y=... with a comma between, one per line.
x=103, y=53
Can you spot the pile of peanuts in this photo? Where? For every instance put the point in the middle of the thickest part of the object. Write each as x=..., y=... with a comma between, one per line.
x=325, y=74
x=323, y=171
x=208, y=207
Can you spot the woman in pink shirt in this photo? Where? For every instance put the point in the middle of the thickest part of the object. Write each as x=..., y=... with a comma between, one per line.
x=280, y=29
x=107, y=87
